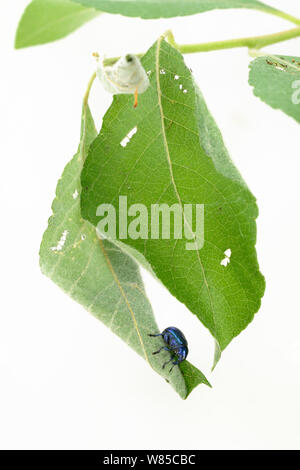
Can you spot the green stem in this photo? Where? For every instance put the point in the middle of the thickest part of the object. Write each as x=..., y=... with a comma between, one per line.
x=255, y=42
x=282, y=14
x=87, y=93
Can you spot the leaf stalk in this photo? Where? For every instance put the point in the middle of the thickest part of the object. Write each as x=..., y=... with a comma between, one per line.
x=87, y=92
x=254, y=42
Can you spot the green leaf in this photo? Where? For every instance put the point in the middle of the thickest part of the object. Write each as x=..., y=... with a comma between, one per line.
x=98, y=275
x=47, y=20
x=276, y=81
x=167, y=8
x=177, y=156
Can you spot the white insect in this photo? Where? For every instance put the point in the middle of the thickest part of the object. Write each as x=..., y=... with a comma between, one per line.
x=127, y=138
x=75, y=194
x=226, y=260
x=126, y=76
x=61, y=242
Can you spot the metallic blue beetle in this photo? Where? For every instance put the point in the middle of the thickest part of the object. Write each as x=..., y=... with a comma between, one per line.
x=176, y=345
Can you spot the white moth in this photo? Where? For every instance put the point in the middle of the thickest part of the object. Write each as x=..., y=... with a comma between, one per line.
x=126, y=76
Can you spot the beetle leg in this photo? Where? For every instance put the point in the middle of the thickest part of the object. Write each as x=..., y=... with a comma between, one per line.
x=175, y=363
x=154, y=336
x=160, y=349
x=167, y=362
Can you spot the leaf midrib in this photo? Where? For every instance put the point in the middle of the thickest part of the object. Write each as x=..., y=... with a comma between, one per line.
x=118, y=283
x=167, y=151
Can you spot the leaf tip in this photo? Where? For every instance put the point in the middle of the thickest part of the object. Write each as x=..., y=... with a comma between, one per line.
x=217, y=354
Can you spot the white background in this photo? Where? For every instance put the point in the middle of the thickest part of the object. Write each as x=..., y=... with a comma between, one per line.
x=66, y=380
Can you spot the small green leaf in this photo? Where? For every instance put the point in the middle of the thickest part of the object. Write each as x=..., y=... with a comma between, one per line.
x=276, y=81
x=47, y=20
x=98, y=275
x=168, y=8
x=177, y=156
